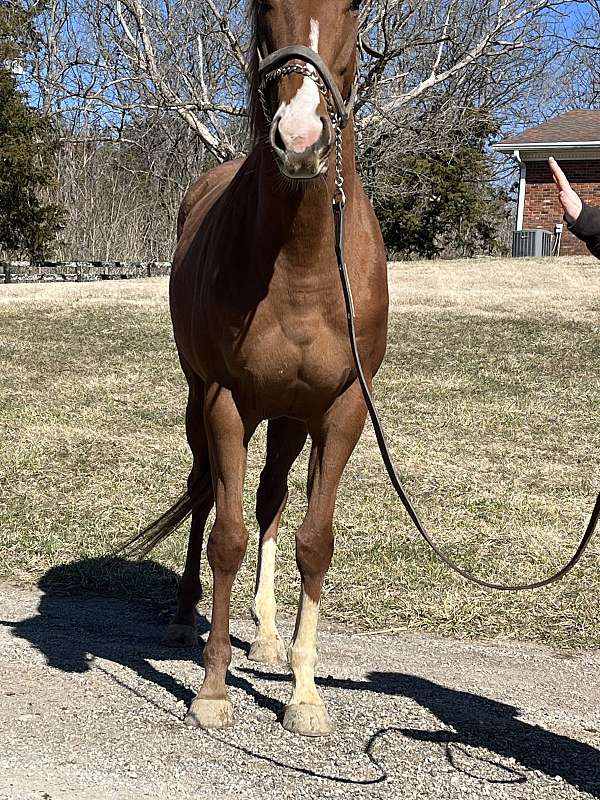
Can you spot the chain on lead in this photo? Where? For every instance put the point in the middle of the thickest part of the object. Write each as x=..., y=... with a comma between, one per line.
x=339, y=194
x=288, y=69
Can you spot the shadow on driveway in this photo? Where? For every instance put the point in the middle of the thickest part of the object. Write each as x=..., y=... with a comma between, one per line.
x=118, y=610
x=479, y=722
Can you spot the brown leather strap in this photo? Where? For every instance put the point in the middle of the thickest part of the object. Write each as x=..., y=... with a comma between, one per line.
x=338, y=212
x=271, y=62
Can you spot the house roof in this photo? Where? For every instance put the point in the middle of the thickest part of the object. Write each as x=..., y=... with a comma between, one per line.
x=574, y=129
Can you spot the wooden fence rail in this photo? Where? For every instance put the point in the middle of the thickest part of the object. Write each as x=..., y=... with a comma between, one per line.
x=24, y=272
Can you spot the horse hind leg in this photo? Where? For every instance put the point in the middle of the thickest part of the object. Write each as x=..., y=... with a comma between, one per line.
x=182, y=630
x=285, y=440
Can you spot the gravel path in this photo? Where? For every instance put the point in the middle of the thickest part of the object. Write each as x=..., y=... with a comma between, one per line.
x=92, y=707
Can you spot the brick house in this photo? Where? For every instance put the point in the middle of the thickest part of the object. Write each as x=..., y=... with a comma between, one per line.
x=574, y=141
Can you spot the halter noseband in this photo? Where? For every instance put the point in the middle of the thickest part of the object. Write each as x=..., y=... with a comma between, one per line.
x=276, y=65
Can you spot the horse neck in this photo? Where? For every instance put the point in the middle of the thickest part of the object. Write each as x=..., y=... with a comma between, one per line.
x=300, y=220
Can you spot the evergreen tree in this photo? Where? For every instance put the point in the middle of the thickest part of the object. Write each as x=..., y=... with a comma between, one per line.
x=442, y=201
x=28, y=224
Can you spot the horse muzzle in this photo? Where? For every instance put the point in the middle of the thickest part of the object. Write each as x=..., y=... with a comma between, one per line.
x=303, y=156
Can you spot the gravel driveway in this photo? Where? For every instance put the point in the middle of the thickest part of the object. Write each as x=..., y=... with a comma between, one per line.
x=92, y=707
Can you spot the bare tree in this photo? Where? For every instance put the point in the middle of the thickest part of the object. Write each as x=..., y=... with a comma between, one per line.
x=578, y=83
x=105, y=62
x=106, y=59
x=122, y=196
x=116, y=69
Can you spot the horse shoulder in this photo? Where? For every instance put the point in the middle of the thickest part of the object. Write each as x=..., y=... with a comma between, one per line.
x=208, y=187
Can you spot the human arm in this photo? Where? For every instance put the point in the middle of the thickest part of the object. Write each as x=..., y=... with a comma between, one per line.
x=583, y=221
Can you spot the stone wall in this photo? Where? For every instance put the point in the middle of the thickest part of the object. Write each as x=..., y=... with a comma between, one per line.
x=542, y=207
x=24, y=272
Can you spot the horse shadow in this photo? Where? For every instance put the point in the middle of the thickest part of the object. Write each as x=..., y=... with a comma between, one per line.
x=475, y=721
x=114, y=609
x=117, y=610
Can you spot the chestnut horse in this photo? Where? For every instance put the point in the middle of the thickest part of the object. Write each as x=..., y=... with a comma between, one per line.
x=261, y=331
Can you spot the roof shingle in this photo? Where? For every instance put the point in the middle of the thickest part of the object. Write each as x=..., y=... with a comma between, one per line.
x=573, y=126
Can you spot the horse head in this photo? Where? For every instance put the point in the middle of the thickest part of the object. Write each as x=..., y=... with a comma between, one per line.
x=307, y=59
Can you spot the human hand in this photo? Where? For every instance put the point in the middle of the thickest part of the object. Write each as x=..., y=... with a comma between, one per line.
x=569, y=199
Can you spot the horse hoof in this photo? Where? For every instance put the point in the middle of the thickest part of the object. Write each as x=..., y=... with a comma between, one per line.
x=181, y=635
x=306, y=719
x=268, y=651
x=210, y=714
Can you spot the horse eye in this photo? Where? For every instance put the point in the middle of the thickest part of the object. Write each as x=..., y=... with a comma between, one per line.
x=355, y=6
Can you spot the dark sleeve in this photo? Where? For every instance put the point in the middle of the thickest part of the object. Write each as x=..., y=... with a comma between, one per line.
x=587, y=228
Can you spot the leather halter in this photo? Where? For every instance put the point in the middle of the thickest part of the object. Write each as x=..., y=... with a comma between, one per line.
x=276, y=64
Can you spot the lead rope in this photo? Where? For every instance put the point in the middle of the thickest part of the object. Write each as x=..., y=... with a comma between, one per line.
x=339, y=207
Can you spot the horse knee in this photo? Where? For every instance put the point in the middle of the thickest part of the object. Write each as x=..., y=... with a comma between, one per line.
x=314, y=551
x=227, y=545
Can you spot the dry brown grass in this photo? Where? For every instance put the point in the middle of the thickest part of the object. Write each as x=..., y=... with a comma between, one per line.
x=497, y=287
x=489, y=395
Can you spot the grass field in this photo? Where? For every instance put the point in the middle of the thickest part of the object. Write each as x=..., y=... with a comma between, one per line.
x=489, y=394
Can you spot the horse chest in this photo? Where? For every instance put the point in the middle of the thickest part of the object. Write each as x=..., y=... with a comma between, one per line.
x=288, y=366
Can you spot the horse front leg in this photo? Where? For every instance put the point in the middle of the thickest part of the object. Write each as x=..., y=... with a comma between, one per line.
x=334, y=438
x=227, y=439
x=285, y=440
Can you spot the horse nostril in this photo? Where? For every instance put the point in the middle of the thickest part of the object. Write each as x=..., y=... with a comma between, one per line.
x=297, y=132
x=326, y=138
x=276, y=138
x=301, y=151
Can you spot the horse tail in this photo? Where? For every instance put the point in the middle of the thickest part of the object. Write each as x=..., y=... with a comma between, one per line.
x=140, y=545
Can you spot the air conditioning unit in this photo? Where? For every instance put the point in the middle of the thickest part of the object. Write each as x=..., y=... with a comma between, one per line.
x=528, y=243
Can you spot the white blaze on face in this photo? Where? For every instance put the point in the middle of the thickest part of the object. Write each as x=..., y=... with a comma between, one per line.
x=299, y=123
